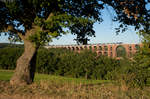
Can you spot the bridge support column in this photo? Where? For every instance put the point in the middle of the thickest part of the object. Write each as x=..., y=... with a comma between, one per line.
x=114, y=50
x=109, y=50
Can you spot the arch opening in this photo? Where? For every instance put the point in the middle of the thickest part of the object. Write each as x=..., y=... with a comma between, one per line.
x=120, y=51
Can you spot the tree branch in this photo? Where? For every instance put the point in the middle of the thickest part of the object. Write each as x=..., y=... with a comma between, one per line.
x=10, y=28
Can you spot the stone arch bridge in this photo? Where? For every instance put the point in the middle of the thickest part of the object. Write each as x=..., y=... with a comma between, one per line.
x=110, y=50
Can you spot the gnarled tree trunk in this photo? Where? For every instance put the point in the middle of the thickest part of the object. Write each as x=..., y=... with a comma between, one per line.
x=25, y=69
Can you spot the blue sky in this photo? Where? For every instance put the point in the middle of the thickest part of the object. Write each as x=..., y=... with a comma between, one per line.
x=105, y=33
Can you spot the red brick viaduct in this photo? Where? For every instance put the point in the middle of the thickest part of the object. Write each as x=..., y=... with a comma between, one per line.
x=109, y=50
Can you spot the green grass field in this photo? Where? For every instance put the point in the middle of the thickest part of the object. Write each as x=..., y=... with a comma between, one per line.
x=7, y=74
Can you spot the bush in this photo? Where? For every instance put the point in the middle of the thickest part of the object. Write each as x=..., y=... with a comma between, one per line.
x=103, y=66
x=47, y=60
x=129, y=73
x=9, y=56
x=76, y=64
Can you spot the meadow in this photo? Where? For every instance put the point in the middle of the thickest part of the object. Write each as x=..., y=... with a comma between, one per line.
x=58, y=87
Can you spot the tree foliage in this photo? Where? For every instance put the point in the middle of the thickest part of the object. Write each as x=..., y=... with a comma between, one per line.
x=131, y=12
x=50, y=17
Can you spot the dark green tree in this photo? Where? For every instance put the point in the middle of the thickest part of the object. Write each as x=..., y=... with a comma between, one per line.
x=36, y=22
x=83, y=32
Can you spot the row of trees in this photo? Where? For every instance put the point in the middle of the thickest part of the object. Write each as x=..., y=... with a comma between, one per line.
x=84, y=65
x=36, y=22
x=63, y=62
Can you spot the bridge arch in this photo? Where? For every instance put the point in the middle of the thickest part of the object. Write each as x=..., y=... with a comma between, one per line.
x=121, y=51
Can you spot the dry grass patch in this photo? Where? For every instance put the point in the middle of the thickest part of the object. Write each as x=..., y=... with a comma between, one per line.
x=52, y=90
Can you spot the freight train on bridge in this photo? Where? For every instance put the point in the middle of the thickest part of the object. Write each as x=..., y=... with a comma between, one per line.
x=114, y=50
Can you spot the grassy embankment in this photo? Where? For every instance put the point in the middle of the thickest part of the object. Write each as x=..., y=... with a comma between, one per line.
x=5, y=75
x=57, y=87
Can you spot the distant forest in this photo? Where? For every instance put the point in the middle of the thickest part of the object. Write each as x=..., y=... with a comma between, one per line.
x=3, y=45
